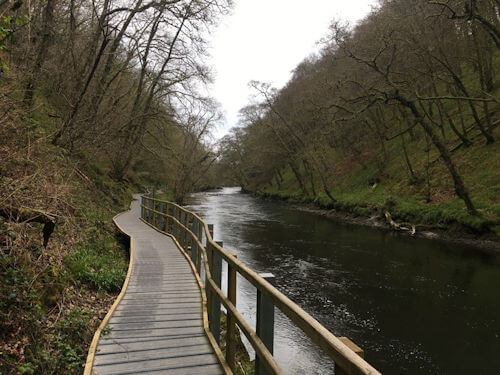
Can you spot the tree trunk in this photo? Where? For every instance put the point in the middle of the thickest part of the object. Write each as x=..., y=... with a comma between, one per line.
x=299, y=178
x=413, y=177
x=46, y=34
x=460, y=188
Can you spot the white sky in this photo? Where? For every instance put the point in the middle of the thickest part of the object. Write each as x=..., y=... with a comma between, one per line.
x=265, y=40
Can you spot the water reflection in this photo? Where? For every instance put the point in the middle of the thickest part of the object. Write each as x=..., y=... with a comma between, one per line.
x=416, y=306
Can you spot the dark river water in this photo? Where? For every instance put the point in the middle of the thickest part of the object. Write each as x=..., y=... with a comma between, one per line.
x=415, y=306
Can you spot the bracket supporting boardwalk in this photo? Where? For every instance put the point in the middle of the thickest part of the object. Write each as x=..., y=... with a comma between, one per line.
x=167, y=320
x=157, y=326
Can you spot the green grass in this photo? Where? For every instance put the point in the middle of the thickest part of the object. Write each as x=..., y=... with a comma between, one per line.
x=165, y=196
x=479, y=166
x=98, y=263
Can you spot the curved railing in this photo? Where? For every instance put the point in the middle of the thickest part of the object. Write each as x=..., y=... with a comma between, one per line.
x=196, y=237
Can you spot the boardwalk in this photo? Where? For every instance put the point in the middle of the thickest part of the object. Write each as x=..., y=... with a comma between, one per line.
x=157, y=328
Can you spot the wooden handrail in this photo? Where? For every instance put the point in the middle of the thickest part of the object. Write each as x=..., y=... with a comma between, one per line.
x=340, y=353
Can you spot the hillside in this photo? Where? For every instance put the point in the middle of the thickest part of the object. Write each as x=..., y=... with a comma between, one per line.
x=362, y=192
x=53, y=297
x=98, y=100
x=396, y=118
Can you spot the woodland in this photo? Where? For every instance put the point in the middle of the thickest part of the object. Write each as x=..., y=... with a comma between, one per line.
x=397, y=116
x=98, y=99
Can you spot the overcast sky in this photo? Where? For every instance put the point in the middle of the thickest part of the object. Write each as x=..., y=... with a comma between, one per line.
x=265, y=40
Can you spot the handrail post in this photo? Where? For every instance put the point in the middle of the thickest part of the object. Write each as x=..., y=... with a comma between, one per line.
x=182, y=233
x=170, y=222
x=174, y=223
x=187, y=238
x=230, y=321
x=164, y=217
x=215, y=305
x=160, y=215
x=154, y=213
x=142, y=206
x=200, y=233
x=208, y=248
x=265, y=323
x=194, y=244
x=356, y=349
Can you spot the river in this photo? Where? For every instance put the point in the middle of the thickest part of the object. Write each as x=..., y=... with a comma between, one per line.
x=415, y=306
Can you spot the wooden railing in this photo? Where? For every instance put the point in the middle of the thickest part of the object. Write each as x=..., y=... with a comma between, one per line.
x=196, y=237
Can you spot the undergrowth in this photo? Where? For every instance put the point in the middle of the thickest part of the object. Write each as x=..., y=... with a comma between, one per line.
x=53, y=298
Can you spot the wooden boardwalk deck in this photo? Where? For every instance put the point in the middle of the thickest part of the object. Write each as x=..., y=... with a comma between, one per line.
x=157, y=327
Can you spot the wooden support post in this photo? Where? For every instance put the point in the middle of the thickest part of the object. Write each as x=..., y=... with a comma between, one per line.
x=209, y=251
x=215, y=304
x=162, y=217
x=148, y=211
x=170, y=220
x=265, y=323
x=230, y=321
x=142, y=207
x=200, y=234
x=167, y=220
x=165, y=217
x=174, y=223
x=182, y=234
x=187, y=237
x=154, y=213
x=194, y=245
x=356, y=349
x=157, y=216
x=189, y=240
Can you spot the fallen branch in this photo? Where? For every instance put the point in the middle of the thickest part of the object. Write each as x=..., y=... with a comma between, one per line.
x=399, y=226
x=28, y=215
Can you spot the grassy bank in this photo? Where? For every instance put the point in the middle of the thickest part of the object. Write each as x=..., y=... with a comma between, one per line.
x=428, y=203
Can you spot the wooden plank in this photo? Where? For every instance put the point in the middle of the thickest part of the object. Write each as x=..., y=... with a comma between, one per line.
x=168, y=293
x=190, y=310
x=118, y=343
x=125, y=319
x=184, y=330
x=169, y=342
x=128, y=326
x=146, y=365
x=153, y=353
x=175, y=299
x=171, y=306
x=186, y=370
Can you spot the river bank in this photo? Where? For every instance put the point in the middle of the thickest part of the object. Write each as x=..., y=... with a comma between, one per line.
x=478, y=235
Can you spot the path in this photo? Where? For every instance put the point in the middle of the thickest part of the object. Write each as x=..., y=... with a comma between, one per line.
x=157, y=328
